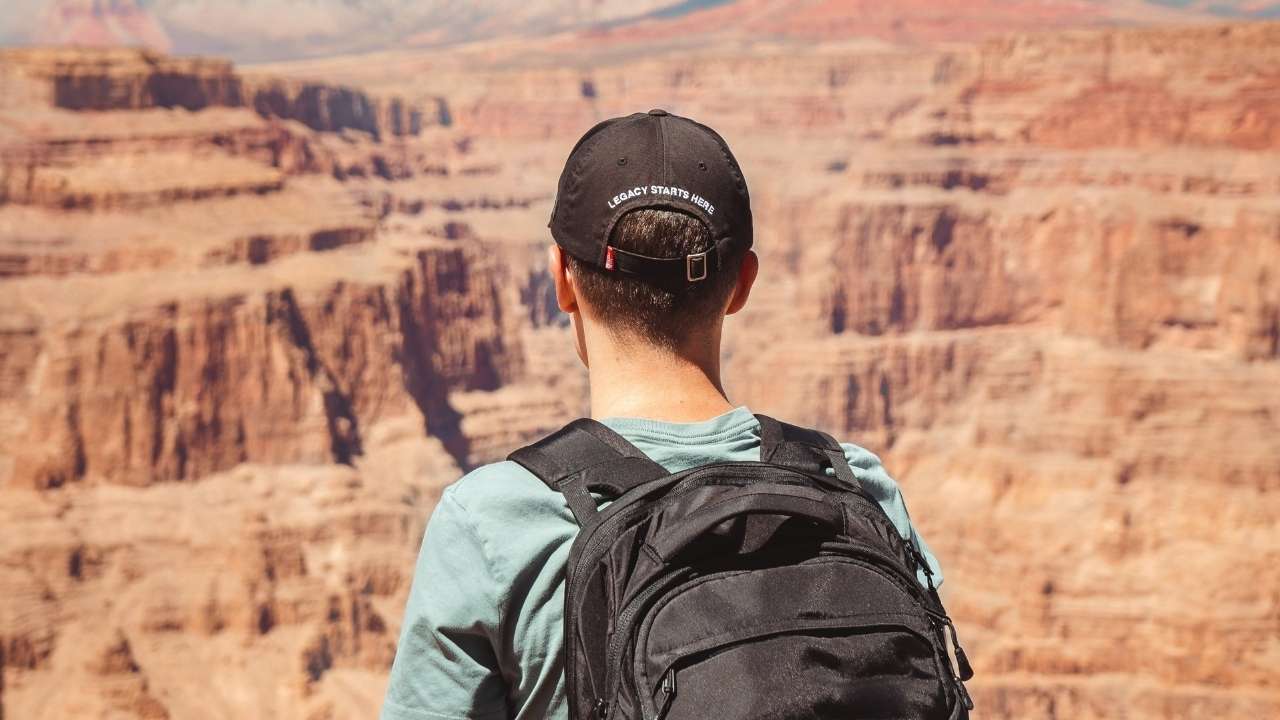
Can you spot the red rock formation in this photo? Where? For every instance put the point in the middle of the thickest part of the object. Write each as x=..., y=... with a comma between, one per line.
x=138, y=79
x=195, y=301
x=1068, y=353
x=185, y=387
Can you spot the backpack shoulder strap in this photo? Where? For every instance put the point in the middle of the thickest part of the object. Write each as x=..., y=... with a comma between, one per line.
x=585, y=456
x=804, y=449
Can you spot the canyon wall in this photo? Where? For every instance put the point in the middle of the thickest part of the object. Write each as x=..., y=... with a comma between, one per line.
x=244, y=346
x=1053, y=308
x=127, y=79
x=230, y=391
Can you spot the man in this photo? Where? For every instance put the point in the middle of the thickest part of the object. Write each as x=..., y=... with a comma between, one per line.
x=652, y=229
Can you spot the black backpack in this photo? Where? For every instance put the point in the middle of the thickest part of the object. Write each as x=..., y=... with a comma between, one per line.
x=742, y=589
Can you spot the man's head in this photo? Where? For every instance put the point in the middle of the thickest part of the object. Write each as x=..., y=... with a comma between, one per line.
x=653, y=232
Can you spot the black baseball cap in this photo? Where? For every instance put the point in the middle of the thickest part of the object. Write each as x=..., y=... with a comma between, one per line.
x=651, y=160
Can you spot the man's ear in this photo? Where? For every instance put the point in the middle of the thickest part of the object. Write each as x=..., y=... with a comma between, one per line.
x=746, y=278
x=566, y=296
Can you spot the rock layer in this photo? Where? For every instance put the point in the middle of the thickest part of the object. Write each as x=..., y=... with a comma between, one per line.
x=230, y=389
x=140, y=79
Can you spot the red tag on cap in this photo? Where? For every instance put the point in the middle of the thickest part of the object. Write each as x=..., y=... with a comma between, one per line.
x=608, y=259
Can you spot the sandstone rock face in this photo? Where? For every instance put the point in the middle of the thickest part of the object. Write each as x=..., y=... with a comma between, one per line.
x=1038, y=275
x=138, y=79
x=1066, y=347
x=232, y=389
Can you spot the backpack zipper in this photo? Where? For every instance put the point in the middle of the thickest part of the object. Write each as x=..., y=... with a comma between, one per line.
x=668, y=692
x=620, y=636
x=963, y=670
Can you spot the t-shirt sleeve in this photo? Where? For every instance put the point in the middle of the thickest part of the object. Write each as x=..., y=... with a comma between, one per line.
x=445, y=666
x=871, y=473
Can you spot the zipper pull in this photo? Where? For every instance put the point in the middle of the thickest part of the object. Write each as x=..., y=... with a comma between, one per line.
x=923, y=565
x=668, y=692
x=962, y=670
x=966, y=670
x=964, y=696
x=962, y=660
x=601, y=709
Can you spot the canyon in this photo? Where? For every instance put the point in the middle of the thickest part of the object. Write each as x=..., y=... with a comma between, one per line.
x=254, y=320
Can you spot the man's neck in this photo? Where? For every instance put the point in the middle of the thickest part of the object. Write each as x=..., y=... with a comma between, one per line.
x=633, y=380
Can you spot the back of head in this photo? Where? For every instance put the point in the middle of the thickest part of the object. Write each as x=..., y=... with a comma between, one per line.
x=636, y=310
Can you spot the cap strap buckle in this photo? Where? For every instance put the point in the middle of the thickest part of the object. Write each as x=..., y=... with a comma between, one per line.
x=695, y=266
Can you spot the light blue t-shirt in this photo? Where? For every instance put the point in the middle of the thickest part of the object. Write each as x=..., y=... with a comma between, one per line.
x=482, y=637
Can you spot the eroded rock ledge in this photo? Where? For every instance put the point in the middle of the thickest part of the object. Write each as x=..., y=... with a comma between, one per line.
x=128, y=79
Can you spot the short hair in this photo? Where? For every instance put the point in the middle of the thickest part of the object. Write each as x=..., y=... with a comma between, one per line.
x=632, y=308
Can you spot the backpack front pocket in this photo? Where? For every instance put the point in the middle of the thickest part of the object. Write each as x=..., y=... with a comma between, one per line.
x=872, y=671
x=789, y=642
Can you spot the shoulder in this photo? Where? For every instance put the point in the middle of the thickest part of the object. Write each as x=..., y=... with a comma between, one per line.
x=503, y=492
x=495, y=483
x=870, y=472
x=513, y=514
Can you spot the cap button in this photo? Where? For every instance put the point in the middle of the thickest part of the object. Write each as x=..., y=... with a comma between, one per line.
x=658, y=111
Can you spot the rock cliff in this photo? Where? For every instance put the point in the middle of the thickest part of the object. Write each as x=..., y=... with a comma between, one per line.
x=129, y=79
x=230, y=387
x=1059, y=328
